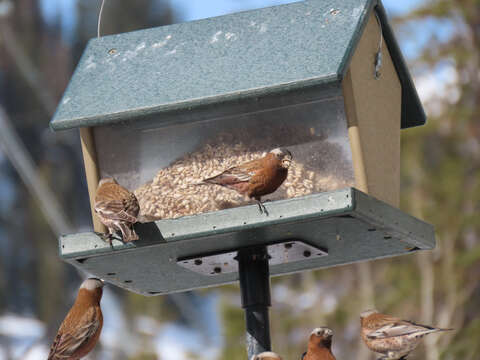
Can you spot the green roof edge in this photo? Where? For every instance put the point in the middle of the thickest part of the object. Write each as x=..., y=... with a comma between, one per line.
x=412, y=109
x=193, y=104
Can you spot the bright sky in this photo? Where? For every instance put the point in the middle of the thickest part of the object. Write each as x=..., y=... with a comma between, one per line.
x=198, y=9
x=194, y=9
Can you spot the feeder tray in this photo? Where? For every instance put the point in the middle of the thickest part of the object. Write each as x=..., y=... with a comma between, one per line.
x=345, y=226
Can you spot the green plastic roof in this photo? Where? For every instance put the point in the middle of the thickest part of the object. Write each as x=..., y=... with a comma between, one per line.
x=224, y=61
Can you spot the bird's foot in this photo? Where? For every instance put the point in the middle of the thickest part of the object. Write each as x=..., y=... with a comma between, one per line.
x=107, y=237
x=133, y=237
x=262, y=208
x=104, y=236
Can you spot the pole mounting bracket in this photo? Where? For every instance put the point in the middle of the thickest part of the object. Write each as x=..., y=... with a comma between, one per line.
x=287, y=251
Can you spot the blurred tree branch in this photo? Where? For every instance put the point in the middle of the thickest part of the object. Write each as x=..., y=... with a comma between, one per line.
x=442, y=167
x=367, y=300
x=10, y=142
x=26, y=68
x=18, y=155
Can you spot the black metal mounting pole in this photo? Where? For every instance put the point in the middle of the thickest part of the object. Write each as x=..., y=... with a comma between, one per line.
x=255, y=288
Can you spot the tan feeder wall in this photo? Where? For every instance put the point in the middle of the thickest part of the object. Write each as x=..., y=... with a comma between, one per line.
x=91, y=172
x=373, y=109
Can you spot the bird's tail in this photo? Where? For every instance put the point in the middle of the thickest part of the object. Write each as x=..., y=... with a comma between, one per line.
x=207, y=181
x=203, y=182
x=145, y=218
x=433, y=330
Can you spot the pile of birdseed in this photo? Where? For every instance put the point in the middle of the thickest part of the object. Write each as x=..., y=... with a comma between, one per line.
x=175, y=190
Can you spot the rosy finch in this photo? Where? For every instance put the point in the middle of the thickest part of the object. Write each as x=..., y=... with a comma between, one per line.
x=117, y=208
x=319, y=345
x=258, y=177
x=393, y=337
x=81, y=328
x=266, y=355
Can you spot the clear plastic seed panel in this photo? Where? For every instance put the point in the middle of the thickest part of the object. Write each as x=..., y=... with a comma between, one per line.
x=165, y=165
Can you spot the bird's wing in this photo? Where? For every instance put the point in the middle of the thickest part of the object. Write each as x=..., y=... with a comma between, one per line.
x=115, y=210
x=397, y=328
x=132, y=207
x=69, y=340
x=244, y=172
x=235, y=174
x=303, y=355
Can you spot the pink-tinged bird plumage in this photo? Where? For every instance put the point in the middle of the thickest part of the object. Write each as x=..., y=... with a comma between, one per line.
x=80, y=330
x=319, y=345
x=117, y=208
x=391, y=336
x=258, y=177
x=266, y=355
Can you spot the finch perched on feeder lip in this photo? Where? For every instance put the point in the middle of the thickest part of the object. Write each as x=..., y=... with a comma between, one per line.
x=266, y=355
x=81, y=328
x=117, y=208
x=319, y=345
x=258, y=177
x=393, y=337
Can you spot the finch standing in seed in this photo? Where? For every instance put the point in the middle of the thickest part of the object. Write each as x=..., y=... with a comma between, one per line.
x=392, y=337
x=81, y=328
x=117, y=208
x=319, y=345
x=258, y=177
x=266, y=355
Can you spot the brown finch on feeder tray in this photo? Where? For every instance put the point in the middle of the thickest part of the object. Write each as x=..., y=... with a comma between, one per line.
x=319, y=345
x=258, y=177
x=266, y=355
x=81, y=328
x=117, y=208
x=390, y=336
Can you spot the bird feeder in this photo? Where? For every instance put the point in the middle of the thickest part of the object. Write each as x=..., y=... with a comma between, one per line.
x=161, y=109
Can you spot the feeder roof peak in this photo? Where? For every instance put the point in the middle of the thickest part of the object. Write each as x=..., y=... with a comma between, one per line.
x=225, y=60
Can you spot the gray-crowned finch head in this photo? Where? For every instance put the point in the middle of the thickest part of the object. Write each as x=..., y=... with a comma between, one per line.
x=107, y=181
x=367, y=313
x=284, y=156
x=323, y=332
x=266, y=355
x=92, y=284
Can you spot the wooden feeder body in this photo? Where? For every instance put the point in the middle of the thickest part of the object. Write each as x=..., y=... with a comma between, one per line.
x=161, y=109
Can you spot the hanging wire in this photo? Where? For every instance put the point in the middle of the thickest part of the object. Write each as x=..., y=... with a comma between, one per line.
x=100, y=18
x=378, y=55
